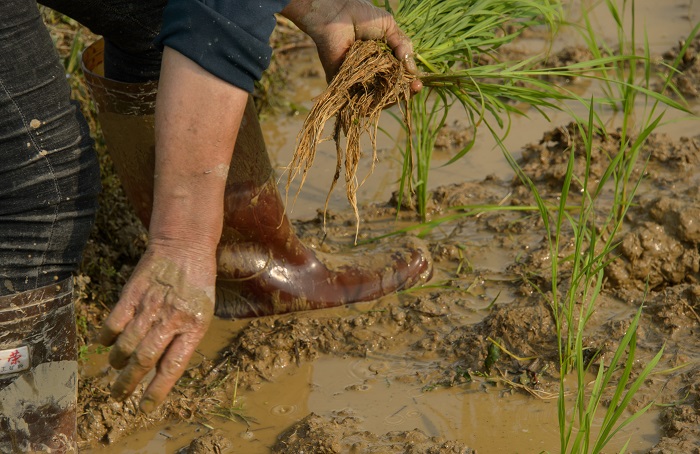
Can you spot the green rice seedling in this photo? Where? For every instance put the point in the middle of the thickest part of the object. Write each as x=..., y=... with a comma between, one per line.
x=497, y=89
x=427, y=121
x=594, y=239
x=446, y=33
x=449, y=37
x=480, y=92
x=574, y=303
x=627, y=80
x=235, y=411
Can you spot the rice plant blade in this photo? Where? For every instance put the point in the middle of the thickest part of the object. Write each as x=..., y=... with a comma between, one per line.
x=609, y=432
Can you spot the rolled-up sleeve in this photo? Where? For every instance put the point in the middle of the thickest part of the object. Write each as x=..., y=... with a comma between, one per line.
x=228, y=38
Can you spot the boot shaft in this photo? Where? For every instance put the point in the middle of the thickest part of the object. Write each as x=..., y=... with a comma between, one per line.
x=38, y=370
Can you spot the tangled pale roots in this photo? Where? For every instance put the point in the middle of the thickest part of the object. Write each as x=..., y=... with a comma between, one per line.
x=369, y=80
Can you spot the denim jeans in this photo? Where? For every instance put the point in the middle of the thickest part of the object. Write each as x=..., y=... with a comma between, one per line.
x=49, y=183
x=49, y=174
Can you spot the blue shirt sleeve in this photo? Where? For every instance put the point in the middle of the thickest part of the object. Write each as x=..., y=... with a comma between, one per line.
x=228, y=38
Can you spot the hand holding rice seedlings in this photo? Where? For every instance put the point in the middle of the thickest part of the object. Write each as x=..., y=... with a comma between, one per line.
x=369, y=80
x=448, y=35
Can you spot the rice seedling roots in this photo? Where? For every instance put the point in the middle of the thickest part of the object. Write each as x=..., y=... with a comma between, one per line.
x=369, y=80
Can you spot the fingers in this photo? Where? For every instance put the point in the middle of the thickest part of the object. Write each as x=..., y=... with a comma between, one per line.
x=134, y=332
x=158, y=322
x=169, y=367
x=149, y=342
x=141, y=361
x=416, y=86
x=169, y=370
x=360, y=20
x=401, y=45
x=120, y=317
x=382, y=25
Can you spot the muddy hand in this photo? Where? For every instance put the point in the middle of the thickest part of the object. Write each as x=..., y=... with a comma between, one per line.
x=158, y=322
x=334, y=25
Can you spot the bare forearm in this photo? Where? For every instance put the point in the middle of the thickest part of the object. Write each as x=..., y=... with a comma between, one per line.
x=168, y=303
x=197, y=121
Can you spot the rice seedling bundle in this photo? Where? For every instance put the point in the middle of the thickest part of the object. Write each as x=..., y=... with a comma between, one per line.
x=448, y=37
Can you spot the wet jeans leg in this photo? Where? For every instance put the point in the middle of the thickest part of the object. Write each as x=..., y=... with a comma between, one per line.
x=49, y=181
x=49, y=174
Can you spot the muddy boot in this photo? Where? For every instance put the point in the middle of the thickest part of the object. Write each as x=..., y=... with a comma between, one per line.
x=264, y=268
x=126, y=115
x=38, y=370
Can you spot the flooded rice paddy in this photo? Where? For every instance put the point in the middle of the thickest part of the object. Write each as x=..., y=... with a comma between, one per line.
x=408, y=373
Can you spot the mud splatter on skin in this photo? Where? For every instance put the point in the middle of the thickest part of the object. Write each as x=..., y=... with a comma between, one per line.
x=221, y=171
x=158, y=323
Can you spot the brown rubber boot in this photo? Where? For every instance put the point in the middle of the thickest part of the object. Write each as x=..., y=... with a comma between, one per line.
x=263, y=267
x=38, y=370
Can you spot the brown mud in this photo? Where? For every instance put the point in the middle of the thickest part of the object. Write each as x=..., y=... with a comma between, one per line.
x=419, y=371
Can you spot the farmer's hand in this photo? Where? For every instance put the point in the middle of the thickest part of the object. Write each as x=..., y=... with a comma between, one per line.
x=163, y=313
x=168, y=303
x=335, y=24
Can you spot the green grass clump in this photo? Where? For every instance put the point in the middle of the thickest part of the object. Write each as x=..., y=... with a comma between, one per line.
x=450, y=33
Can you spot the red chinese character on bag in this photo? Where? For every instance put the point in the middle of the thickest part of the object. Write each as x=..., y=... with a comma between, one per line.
x=14, y=357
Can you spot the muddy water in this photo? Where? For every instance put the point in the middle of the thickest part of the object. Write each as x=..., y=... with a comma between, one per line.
x=400, y=349
x=483, y=415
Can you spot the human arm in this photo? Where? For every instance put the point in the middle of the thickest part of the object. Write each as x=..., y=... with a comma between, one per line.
x=168, y=303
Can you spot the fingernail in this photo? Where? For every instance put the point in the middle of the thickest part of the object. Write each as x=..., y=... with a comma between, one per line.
x=411, y=66
x=147, y=405
x=118, y=394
